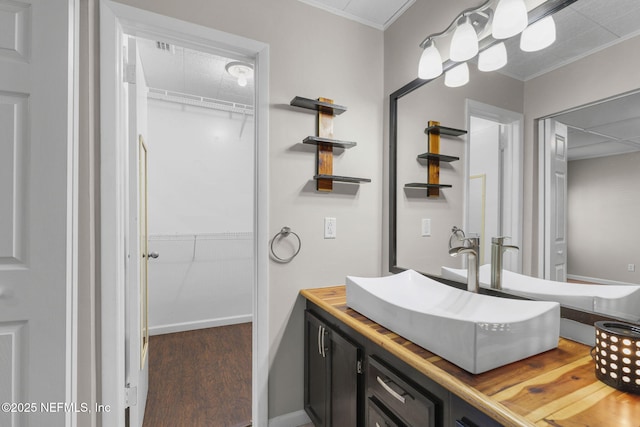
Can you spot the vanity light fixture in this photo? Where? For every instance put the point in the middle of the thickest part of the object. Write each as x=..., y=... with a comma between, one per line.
x=510, y=19
x=430, y=65
x=538, y=35
x=493, y=58
x=457, y=76
x=464, y=44
x=617, y=355
x=240, y=70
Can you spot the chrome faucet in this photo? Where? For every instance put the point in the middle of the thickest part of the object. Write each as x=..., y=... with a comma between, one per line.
x=471, y=247
x=498, y=248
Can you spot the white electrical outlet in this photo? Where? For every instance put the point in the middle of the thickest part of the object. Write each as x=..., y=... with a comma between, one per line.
x=631, y=267
x=426, y=227
x=330, y=231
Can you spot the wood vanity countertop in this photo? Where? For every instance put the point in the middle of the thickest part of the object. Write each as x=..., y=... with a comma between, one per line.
x=557, y=388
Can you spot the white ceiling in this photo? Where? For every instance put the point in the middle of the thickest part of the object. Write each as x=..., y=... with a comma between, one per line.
x=582, y=28
x=191, y=72
x=604, y=129
x=374, y=13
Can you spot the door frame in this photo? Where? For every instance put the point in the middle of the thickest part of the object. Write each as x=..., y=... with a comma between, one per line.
x=116, y=18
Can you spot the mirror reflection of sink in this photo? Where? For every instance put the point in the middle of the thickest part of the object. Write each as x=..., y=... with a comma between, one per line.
x=475, y=332
x=615, y=300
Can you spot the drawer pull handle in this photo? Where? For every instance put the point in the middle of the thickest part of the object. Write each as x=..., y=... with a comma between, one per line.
x=377, y=425
x=319, y=340
x=392, y=392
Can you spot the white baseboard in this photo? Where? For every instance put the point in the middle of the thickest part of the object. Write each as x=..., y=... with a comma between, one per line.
x=292, y=419
x=599, y=281
x=200, y=324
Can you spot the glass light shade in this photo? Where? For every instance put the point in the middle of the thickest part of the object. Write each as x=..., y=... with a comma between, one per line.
x=430, y=65
x=464, y=44
x=457, y=76
x=493, y=58
x=510, y=19
x=538, y=35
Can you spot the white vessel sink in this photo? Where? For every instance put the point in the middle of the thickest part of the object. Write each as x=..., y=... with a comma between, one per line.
x=615, y=300
x=475, y=332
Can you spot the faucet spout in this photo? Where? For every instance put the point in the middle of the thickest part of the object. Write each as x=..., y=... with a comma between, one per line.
x=498, y=248
x=471, y=249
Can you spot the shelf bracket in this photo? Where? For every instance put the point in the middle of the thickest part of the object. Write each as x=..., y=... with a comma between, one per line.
x=434, y=164
x=325, y=151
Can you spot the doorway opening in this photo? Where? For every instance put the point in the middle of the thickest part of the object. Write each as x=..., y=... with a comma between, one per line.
x=494, y=179
x=197, y=120
x=122, y=258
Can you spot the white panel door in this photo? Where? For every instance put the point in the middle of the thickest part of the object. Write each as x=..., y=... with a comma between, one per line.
x=136, y=332
x=556, y=161
x=37, y=202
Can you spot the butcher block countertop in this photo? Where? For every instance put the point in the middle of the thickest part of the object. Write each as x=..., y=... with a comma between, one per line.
x=557, y=388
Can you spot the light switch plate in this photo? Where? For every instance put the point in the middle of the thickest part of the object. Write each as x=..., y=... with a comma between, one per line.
x=426, y=227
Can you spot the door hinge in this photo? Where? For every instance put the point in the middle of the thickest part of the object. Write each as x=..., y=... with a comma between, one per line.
x=130, y=73
x=359, y=367
x=130, y=395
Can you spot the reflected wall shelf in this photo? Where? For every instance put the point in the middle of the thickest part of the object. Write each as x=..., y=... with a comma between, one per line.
x=434, y=131
x=325, y=142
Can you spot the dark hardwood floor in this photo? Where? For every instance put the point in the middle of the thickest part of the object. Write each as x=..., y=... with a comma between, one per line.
x=200, y=378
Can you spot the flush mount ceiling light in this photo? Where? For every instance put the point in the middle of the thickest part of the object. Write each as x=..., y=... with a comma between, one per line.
x=538, y=35
x=430, y=65
x=493, y=58
x=510, y=19
x=457, y=76
x=464, y=44
x=240, y=70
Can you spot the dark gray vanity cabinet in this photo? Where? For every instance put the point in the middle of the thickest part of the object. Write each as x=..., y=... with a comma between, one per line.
x=332, y=375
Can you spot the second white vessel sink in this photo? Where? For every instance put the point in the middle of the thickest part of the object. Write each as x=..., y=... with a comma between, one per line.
x=616, y=300
x=475, y=332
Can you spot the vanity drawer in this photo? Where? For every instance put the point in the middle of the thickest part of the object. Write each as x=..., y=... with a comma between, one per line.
x=414, y=406
x=376, y=417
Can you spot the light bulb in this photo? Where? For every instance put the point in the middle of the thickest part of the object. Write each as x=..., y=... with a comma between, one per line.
x=538, y=35
x=464, y=44
x=242, y=80
x=457, y=76
x=493, y=58
x=430, y=65
x=509, y=19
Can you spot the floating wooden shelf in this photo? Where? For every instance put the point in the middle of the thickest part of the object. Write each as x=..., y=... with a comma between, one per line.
x=434, y=131
x=325, y=142
x=440, y=157
x=442, y=130
x=426, y=185
x=318, y=105
x=316, y=140
x=342, y=178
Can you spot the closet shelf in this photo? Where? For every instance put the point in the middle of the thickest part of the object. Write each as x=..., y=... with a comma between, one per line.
x=440, y=157
x=316, y=105
x=443, y=130
x=341, y=178
x=316, y=140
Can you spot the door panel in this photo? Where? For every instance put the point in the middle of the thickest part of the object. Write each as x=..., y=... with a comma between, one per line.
x=37, y=231
x=556, y=200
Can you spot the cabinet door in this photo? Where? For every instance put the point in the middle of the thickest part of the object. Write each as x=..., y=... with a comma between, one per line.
x=316, y=372
x=344, y=357
x=331, y=376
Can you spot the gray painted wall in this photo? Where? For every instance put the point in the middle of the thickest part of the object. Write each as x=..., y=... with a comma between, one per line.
x=603, y=206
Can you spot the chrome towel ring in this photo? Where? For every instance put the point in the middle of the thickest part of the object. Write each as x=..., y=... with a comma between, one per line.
x=456, y=234
x=283, y=233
